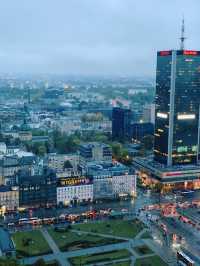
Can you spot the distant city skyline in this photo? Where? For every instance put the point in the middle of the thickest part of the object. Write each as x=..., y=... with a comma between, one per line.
x=101, y=37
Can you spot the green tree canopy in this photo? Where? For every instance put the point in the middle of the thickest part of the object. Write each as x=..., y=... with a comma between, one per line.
x=147, y=142
x=8, y=262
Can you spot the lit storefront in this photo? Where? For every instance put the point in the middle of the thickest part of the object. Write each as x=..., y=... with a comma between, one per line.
x=170, y=178
x=9, y=199
x=74, y=190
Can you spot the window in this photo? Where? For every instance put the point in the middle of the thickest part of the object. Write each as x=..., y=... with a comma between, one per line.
x=182, y=149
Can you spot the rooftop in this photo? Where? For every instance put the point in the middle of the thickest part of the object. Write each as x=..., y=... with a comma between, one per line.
x=148, y=161
x=114, y=168
x=176, y=173
x=94, y=144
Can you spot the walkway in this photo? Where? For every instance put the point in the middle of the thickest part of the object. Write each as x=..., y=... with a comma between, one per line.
x=58, y=255
x=166, y=254
x=102, y=235
x=62, y=256
x=129, y=244
x=141, y=233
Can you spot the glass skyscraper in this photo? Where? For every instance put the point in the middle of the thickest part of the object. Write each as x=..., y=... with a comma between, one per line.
x=177, y=124
x=121, y=123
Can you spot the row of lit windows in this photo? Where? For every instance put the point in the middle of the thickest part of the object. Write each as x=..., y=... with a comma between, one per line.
x=70, y=196
x=8, y=198
x=82, y=188
x=186, y=148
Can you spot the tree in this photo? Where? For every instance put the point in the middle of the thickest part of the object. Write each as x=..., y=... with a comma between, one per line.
x=117, y=150
x=40, y=262
x=41, y=150
x=67, y=164
x=125, y=158
x=147, y=142
x=101, y=138
x=8, y=262
x=64, y=143
x=120, y=153
x=39, y=132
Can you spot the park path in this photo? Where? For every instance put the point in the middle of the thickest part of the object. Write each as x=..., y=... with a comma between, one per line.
x=129, y=244
x=56, y=252
x=165, y=253
x=144, y=230
x=50, y=241
x=102, y=235
x=68, y=254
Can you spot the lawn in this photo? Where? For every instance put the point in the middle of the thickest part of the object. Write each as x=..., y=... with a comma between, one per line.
x=74, y=241
x=100, y=257
x=120, y=228
x=146, y=235
x=31, y=243
x=150, y=261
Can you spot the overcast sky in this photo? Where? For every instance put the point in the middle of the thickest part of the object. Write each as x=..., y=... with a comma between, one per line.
x=92, y=37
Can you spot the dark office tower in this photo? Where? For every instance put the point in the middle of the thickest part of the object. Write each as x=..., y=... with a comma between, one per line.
x=121, y=124
x=177, y=107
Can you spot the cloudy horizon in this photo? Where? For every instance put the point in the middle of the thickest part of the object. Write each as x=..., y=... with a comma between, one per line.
x=92, y=37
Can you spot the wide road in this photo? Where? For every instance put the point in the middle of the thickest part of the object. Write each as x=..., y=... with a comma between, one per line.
x=132, y=205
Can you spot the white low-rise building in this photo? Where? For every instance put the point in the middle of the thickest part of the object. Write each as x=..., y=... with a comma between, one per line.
x=124, y=185
x=74, y=190
x=9, y=198
x=112, y=180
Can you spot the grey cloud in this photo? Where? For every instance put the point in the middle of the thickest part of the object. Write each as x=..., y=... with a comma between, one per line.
x=92, y=36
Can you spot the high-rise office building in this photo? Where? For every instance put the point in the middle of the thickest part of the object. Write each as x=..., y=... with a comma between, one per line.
x=177, y=122
x=121, y=124
x=140, y=130
x=177, y=107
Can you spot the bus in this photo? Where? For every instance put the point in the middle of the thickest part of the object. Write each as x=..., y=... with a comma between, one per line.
x=23, y=221
x=35, y=221
x=184, y=260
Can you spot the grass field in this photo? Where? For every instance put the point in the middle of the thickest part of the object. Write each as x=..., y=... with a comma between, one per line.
x=100, y=257
x=30, y=243
x=150, y=261
x=120, y=228
x=146, y=235
x=74, y=241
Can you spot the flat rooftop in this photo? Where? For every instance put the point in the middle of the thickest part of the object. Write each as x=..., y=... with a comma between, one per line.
x=148, y=161
x=94, y=144
x=107, y=166
x=176, y=173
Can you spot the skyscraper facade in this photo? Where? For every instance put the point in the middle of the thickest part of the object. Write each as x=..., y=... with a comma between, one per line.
x=121, y=123
x=177, y=120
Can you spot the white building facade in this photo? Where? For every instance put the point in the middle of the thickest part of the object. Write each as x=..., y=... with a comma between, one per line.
x=112, y=180
x=74, y=190
x=124, y=185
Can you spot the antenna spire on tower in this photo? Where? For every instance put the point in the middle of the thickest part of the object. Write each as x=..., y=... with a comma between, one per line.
x=182, y=38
